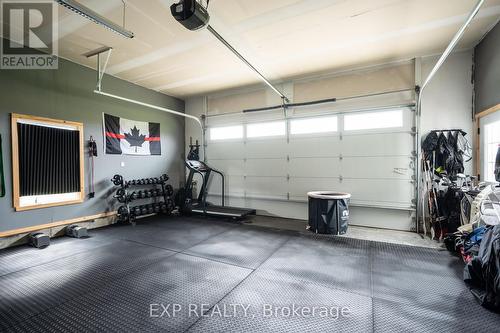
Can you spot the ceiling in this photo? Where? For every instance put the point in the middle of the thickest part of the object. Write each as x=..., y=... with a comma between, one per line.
x=283, y=38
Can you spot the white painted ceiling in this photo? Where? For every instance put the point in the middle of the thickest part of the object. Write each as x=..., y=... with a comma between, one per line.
x=283, y=38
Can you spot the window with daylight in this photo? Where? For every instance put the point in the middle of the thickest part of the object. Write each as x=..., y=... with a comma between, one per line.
x=274, y=128
x=313, y=125
x=47, y=162
x=226, y=133
x=492, y=149
x=373, y=120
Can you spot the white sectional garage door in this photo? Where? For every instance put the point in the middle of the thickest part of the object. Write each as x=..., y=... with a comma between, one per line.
x=373, y=164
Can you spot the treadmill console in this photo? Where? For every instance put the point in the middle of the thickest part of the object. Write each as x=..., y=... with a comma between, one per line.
x=197, y=165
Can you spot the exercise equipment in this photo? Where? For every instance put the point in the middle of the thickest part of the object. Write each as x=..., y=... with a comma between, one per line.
x=189, y=205
x=125, y=197
x=76, y=231
x=117, y=180
x=92, y=154
x=39, y=240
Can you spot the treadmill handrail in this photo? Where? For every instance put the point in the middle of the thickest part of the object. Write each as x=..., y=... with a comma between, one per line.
x=203, y=180
x=223, y=186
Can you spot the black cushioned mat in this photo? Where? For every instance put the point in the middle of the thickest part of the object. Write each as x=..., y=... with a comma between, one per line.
x=340, y=263
x=22, y=257
x=271, y=301
x=108, y=282
x=246, y=247
x=34, y=290
x=125, y=305
x=173, y=234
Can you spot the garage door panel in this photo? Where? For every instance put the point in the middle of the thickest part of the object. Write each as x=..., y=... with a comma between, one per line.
x=235, y=185
x=228, y=167
x=226, y=150
x=314, y=146
x=270, y=148
x=266, y=186
x=381, y=144
x=266, y=167
x=299, y=187
x=376, y=167
x=314, y=167
x=379, y=191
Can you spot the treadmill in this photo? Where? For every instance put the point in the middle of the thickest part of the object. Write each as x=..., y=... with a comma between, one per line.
x=189, y=205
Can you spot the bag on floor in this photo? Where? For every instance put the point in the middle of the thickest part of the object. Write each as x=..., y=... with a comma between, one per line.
x=482, y=274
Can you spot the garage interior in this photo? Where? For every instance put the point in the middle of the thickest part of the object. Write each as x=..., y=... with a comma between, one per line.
x=250, y=166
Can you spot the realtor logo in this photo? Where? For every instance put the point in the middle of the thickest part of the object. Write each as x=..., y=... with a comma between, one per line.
x=29, y=31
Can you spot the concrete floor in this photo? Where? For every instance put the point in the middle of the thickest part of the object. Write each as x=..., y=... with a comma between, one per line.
x=357, y=232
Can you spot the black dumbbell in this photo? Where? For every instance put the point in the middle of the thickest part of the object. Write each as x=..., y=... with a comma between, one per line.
x=169, y=190
x=133, y=195
x=164, y=178
x=123, y=213
x=151, y=209
x=117, y=180
x=137, y=211
x=121, y=196
x=144, y=210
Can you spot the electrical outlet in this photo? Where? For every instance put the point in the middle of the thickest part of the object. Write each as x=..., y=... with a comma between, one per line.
x=122, y=164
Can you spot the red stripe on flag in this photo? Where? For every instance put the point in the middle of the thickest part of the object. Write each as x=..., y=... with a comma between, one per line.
x=114, y=135
x=153, y=138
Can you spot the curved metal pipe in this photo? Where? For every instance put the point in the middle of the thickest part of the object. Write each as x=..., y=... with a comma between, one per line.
x=433, y=72
x=177, y=113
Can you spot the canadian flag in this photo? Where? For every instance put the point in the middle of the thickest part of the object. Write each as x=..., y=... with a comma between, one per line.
x=131, y=137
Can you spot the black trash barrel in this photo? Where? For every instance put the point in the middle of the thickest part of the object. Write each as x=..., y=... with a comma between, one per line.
x=328, y=212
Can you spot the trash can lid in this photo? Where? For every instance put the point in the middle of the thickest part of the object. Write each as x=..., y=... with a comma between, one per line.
x=328, y=195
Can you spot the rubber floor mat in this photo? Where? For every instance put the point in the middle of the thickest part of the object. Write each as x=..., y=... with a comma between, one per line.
x=24, y=256
x=136, y=302
x=286, y=305
x=342, y=265
x=244, y=246
x=36, y=289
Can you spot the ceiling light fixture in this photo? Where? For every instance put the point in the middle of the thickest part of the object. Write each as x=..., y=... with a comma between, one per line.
x=96, y=18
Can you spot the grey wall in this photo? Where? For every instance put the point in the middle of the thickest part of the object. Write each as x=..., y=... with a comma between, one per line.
x=67, y=93
x=487, y=71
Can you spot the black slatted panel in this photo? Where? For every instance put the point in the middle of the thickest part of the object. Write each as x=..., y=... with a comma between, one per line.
x=49, y=160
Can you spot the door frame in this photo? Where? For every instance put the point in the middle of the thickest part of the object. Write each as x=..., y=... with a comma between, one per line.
x=477, y=120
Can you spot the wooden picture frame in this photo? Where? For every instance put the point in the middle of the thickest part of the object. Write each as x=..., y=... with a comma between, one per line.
x=15, y=160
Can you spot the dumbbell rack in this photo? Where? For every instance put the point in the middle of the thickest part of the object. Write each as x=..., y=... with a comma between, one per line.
x=126, y=197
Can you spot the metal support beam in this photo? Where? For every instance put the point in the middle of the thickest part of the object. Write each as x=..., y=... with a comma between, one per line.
x=433, y=72
x=232, y=49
